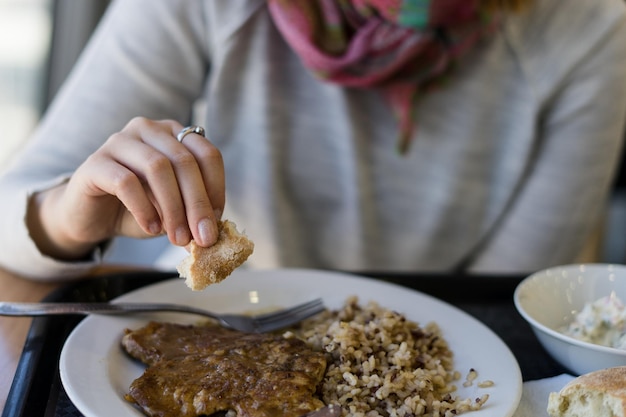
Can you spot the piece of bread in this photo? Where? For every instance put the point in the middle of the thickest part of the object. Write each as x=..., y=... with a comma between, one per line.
x=206, y=266
x=600, y=393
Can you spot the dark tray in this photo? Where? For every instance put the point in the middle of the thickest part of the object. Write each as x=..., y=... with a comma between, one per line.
x=37, y=391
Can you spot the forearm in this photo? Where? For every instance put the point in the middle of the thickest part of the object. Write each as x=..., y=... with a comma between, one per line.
x=48, y=232
x=19, y=253
x=112, y=83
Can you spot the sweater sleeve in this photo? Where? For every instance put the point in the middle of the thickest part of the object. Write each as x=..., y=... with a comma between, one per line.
x=581, y=135
x=147, y=58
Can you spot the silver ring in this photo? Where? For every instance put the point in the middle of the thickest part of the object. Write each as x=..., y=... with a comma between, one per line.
x=187, y=130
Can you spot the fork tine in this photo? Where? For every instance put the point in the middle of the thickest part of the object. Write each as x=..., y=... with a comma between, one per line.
x=285, y=320
x=296, y=311
x=287, y=311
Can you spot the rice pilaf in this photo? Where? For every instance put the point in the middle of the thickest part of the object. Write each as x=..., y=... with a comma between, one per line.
x=382, y=364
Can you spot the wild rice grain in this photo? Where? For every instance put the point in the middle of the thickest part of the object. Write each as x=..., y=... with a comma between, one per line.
x=382, y=365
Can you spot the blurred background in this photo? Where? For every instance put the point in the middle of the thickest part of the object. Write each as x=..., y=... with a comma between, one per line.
x=24, y=44
x=40, y=41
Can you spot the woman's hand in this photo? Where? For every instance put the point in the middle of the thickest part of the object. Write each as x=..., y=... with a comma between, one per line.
x=142, y=182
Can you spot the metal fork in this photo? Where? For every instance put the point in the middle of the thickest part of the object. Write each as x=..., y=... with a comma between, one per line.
x=262, y=323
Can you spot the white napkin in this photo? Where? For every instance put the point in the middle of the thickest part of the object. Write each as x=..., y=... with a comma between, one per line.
x=534, y=401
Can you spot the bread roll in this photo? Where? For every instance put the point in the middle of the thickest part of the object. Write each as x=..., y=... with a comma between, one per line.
x=206, y=266
x=596, y=394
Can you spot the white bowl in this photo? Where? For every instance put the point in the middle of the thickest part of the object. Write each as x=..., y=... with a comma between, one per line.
x=550, y=299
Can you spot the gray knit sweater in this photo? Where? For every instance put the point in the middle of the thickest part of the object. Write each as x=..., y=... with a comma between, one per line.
x=508, y=171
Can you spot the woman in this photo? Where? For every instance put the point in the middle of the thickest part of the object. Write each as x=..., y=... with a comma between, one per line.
x=508, y=116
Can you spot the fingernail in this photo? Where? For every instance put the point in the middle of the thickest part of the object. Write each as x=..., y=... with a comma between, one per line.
x=182, y=236
x=218, y=214
x=155, y=227
x=208, y=231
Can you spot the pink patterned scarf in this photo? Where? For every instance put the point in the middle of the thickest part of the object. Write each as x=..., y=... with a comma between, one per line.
x=402, y=47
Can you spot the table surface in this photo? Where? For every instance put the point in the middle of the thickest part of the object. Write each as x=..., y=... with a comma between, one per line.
x=13, y=330
x=487, y=298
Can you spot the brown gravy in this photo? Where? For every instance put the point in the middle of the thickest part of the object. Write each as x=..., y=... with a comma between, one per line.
x=201, y=370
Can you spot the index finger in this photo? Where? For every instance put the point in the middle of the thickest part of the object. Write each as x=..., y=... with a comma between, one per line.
x=211, y=166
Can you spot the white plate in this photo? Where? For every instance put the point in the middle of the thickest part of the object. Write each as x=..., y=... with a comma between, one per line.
x=96, y=373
